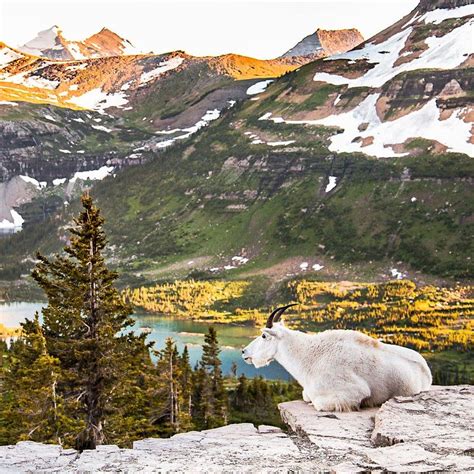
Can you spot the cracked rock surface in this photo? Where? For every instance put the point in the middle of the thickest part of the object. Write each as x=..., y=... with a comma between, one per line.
x=431, y=431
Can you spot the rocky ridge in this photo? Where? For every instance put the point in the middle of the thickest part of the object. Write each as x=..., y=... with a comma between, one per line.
x=427, y=432
x=52, y=44
x=324, y=43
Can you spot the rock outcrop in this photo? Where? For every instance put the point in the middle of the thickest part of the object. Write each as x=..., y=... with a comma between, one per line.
x=429, y=432
x=425, y=433
x=324, y=43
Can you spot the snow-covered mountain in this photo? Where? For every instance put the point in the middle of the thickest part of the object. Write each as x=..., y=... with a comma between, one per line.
x=52, y=44
x=323, y=43
x=411, y=81
x=298, y=158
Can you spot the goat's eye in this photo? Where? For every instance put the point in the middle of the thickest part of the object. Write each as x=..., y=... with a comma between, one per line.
x=264, y=336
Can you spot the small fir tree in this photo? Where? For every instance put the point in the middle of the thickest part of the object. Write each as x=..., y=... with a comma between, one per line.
x=32, y=408
x=210, y=407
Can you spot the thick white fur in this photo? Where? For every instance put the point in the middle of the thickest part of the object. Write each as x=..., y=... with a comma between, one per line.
x=341, y=370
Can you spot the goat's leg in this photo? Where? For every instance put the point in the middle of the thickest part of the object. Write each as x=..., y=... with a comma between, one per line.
x=347, y=398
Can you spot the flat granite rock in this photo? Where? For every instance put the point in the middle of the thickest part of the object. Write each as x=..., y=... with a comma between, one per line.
x=429, y=432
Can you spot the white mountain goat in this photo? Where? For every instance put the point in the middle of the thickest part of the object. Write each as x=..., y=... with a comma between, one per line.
x=340, y=370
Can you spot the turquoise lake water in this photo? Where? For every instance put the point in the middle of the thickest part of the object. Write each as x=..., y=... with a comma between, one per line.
x=232, y=338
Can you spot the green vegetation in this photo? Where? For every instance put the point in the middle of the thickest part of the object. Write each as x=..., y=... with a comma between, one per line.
x=217, y=193
x=435, y=321
x=257, y=399
x=81, y=378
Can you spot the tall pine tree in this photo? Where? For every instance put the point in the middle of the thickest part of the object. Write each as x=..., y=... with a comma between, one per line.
x=86, y=326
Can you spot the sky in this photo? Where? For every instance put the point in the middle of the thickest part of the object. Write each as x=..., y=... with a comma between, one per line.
x=261, y=28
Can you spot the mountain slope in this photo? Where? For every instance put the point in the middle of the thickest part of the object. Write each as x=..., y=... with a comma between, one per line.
x=51, y=44
x=411, y=81
x=319, y=174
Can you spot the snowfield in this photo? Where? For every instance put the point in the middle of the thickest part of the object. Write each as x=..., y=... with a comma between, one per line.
x=209, y=116
x=259, y=87
x=7, y=55
x=97, y=99
x=164, y=66
x=446, y=52
x=15, y=224
x=33, y=181
x=453, y=132
x=425, y=123
x=441, y=14
x=31, y=81
x=92, y=175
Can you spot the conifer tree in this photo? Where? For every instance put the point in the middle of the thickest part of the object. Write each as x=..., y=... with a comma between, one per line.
x=210, y=407
x=85, y=325
x=131, y=411
x=173, y=392
x=167, y=413
x=186, y=380
x=32, y=408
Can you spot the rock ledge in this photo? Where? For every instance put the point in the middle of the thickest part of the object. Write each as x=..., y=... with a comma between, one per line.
x=428, y=432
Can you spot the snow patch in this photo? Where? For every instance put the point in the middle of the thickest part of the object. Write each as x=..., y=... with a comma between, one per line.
x=92, y=175
x=7, y=55
x=59, y=181
x=441, y=14
x=397, y=274
x=7, y=102
x=332, y=183
x=102, y=128
x=75, y=51
x=31, y=81
x=288, y=142
x=99, y=100
x=209, y=116
x=240, y=260
x=164, y=66
x=15, y=224
x=76, y=67
x=33, y=181
x=259, y=87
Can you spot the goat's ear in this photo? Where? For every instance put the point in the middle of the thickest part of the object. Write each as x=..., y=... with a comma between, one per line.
x=272, y=332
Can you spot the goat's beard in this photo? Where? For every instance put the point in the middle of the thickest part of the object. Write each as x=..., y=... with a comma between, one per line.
x=259, y=363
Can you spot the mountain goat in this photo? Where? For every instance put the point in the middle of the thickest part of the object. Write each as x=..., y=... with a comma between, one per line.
x=340, y=370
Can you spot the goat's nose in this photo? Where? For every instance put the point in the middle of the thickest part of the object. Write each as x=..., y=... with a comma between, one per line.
x=243, y=351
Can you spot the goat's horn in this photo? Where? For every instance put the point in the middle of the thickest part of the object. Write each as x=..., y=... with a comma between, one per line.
x=275, y=316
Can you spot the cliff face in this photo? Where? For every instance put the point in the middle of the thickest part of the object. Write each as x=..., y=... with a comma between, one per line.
x=324, y=43
x=425, y=433
x=339, y=41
